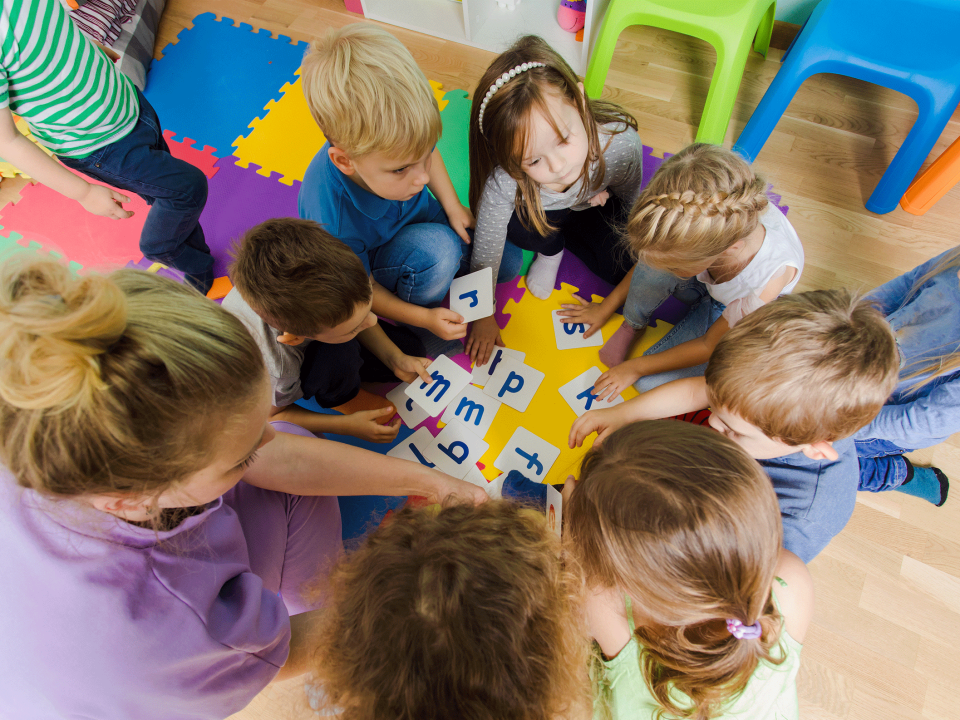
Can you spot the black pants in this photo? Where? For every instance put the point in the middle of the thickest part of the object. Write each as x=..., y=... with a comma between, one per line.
x=593, y=235
x=331, y=374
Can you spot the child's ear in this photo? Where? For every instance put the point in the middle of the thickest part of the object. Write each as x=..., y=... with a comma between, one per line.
x=341, y=160
x=735, y=248
x=290, y=339
x=119, y=504
x=822, y=450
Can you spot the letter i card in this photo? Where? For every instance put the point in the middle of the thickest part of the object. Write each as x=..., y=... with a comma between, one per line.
x=448, y=380
x=528, y=454
x=579, y=393
x=570, y=334
x=472, y=295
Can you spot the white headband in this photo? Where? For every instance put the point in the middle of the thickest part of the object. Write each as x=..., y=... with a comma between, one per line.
x=501, y=81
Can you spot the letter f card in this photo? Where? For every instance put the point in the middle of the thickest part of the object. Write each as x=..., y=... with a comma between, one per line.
x=528, y=454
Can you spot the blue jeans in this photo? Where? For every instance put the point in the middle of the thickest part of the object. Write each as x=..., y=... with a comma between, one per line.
x=882, y=465
x=650, y=287
x=175, y=190
x=422, y=259
x=704, y=313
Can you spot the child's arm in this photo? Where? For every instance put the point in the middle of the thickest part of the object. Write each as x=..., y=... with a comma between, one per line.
x=597, y=314
x=405, y=367
x=362, y=424
x=606, y=619
x=796, y=599
x=300, y=465
x=442, y=322
x=16, y=149
x=459, y=217
x=673, y=398
x=302, y=644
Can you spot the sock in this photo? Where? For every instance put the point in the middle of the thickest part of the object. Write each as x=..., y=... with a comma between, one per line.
x=927, y=483
x=616, y=349
x=542, y=275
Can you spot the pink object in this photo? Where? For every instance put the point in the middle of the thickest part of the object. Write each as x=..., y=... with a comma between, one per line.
x=572, y=15
x=354, y=6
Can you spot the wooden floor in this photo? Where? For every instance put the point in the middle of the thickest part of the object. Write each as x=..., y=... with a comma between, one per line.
x=886, y=638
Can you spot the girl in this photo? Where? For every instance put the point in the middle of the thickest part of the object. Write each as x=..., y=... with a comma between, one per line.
x=143, y=579
x=549, y=170
x=697, y=610
x=463, y=612
x=923, y=308
x=705, y=219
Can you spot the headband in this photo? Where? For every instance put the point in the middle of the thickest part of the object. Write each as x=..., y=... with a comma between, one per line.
x=501, y=81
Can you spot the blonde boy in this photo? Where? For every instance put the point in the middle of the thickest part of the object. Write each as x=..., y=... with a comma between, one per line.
x=790, y=383
x=368, y=184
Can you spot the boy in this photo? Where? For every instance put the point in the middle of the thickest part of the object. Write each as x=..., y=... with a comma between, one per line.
x=305, y=298
x=790, y=383
x=93, y=118
x=368, y=184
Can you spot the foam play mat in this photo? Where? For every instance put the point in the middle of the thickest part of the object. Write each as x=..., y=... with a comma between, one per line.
x=230, y=101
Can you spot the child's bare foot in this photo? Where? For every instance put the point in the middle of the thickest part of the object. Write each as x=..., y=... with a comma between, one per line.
x=616, y=349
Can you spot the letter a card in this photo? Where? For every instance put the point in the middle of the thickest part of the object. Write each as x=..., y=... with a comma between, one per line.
x=448, y=380
x=514, y=383
x=472, y=295
x=455, y=450
x=570, y=334
x=411, y=413
x=579, y=393
x=528, y=454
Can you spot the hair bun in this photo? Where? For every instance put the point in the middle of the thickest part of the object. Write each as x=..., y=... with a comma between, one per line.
x=53, y=327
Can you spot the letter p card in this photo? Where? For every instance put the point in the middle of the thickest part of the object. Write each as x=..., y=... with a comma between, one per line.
x=448, y=380
x=472, y=295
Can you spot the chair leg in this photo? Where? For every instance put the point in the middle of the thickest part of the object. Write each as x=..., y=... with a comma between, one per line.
x=768, y=113
x=602, y=55
x=934, y=183
x=762, y=42
x=905, y=164
x=723, y=93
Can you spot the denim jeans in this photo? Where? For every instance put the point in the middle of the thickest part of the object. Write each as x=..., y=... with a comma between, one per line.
x=882, y=465
x=650, y=287
x=175, y=190
x=422, y=259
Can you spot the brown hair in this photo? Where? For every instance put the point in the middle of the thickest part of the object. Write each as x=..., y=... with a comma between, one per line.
x=506, y=122
x=115, y=384
x=698, y=203
x=367, y=94
x=808, y=367
x=464, y=612
x=298, y=277
x=684, y=522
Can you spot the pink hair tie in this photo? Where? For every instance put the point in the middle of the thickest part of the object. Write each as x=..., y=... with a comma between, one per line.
x=744, y=632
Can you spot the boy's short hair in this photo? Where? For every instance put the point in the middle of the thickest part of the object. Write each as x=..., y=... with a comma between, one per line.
x=298, y=277
x=805, y=368
x=367, y=94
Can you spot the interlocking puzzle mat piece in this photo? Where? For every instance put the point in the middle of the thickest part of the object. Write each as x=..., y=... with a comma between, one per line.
x=184, y=149
x=217, y=77
x=238, y=199
x=14, y=243
x=8, y=170
x=287, y=138
x=454, y=143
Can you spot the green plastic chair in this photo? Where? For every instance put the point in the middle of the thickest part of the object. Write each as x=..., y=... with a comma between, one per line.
x=728, y=25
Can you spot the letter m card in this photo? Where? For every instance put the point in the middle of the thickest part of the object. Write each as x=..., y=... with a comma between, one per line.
x=448, y=380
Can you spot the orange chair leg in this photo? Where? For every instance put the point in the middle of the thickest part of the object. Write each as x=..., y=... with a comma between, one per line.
x=934, y=183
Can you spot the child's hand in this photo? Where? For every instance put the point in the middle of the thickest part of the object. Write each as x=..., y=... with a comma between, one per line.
x=101, y=200
x=484, y=335
x=364, y=425
x=408, y=368
x=446, y=324
x=586, y=312
x=603, y=422
x=451, y=488
x=460, y=218
x=615, y=380
x=600, y=198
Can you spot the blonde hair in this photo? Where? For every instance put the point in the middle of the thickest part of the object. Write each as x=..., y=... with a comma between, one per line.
x=464, y=612
x=506, y=122
x=684, y=522
x=367, y=94
x=808, y=367
x=114, y=384
x=699, y=203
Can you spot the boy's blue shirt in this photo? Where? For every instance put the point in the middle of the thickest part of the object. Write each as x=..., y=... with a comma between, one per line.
x=816, y=497
x=359, y=218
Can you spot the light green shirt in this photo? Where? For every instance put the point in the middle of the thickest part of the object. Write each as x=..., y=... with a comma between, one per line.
x=771, y=693
x=67, y=89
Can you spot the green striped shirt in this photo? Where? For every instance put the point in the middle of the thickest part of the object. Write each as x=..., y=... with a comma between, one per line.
x=66, y=88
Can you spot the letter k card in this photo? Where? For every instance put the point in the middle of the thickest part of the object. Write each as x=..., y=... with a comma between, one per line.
x=579, y=393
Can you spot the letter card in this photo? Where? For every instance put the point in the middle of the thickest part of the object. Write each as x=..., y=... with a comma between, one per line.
x=530, y=455
x=472, y=295
x=448, y=380
x=570, y=334
x=514, y=384
x=579, y=393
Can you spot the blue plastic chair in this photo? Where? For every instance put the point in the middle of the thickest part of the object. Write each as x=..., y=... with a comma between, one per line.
x=912, y=46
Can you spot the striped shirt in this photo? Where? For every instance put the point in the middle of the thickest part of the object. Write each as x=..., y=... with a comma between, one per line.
x=67, y=89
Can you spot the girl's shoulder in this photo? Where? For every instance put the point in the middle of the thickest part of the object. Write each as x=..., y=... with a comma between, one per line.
x=499, y=187
x=794, y=595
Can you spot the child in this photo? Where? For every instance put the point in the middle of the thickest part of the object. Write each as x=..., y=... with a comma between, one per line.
x=549, y=169
x=704, y=218
x=697, y=610
x=368, y=184
x=463, y=612
x=94, y=120
x=305, y=297
x=790, y=384
x=923, y=308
